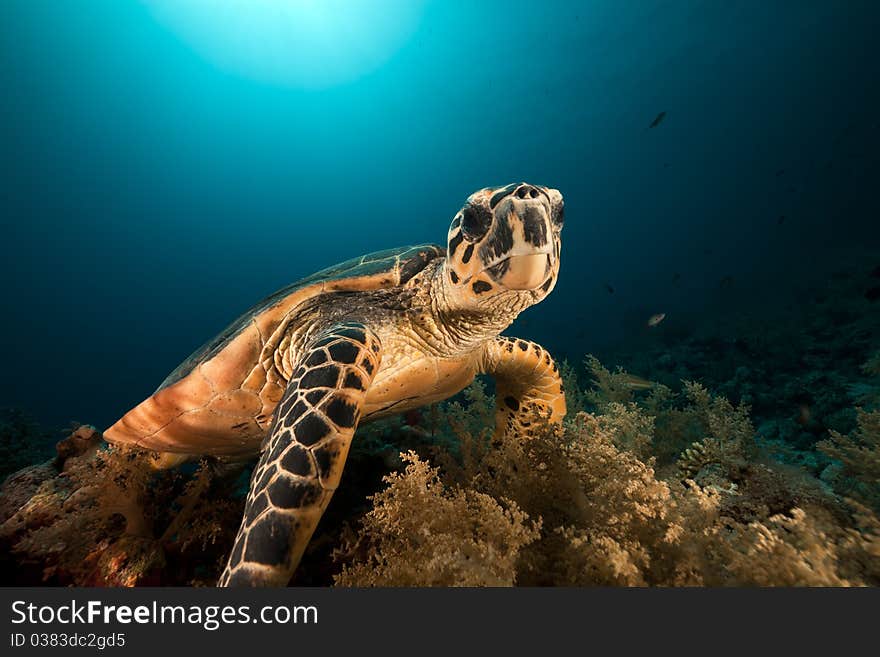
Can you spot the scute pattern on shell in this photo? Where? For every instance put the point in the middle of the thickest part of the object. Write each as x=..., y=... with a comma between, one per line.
x=400, y=263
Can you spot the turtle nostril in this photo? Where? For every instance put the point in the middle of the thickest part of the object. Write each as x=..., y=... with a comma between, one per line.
x=527, y=191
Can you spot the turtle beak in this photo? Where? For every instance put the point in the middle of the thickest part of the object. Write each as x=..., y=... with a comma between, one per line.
x=526, y=272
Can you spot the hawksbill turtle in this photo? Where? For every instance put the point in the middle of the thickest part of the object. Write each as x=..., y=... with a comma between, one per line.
x=377, y=335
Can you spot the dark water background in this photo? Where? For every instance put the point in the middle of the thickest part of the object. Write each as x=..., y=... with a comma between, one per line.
x=149, y=196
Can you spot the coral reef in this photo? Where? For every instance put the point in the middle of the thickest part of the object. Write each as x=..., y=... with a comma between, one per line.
x=102, y=516
x=605, y=517
x=745, y=457
x=422, y=533
x=588, y=503
x=801, y=363
x=858, y=454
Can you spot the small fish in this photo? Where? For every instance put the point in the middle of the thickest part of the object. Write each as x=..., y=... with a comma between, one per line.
x=653, y=320
x=875, y=273
x=676, y=277
x=726, y=282
x=657, y=120
x=608, y=287
x=634, y=382
x=873, y=294
x=779, y=172
x=781, y=220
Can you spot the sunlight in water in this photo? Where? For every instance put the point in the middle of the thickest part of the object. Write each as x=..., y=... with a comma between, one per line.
x=301, y=43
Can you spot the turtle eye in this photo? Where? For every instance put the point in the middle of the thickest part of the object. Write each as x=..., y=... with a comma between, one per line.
x=475, y=222
x=558, y=215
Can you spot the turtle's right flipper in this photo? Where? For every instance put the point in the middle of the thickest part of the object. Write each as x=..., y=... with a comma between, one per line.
x=528, y=385
x=303, y=456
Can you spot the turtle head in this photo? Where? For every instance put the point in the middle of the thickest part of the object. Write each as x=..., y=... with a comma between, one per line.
x=506, y=239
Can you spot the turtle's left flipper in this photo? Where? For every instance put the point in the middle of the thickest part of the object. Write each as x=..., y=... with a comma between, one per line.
x=303, y=456
x=528, y=385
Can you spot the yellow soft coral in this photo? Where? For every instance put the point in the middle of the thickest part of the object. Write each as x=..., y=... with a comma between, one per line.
x=629, y=427
x=423, y=533
x=729, y=433
x=109, y=519
x=859, y=453
x=609, y=386
x=606, y=517
x=787, y=550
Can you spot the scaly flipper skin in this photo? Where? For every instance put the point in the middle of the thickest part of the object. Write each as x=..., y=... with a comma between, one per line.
x=528, y=385
x=303, y=457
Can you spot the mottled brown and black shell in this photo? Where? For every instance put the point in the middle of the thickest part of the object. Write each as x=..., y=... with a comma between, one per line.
x=220, y=399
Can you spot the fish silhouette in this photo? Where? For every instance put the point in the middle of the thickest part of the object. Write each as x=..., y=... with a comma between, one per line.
x=657, y=120
x=634, y=382
x=654, y=320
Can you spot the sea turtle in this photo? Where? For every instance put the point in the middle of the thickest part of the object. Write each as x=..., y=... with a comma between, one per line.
x=374, y=336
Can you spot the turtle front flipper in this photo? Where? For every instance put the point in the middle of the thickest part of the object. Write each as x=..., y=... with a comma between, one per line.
x=528, y=385
x=303, y=456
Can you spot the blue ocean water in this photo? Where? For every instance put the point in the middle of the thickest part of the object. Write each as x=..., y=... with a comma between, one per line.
x=156, y=184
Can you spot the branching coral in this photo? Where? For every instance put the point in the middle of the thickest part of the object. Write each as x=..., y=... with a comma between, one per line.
x=599, y=500
x=107, y=518
x=609, y=386
x=576, y=399
x=629, y=427
x=623, y=520
x=423, y=533
x=859, y=454
x=797, y=549
x=475, y=416
x=729, y=434
x=69, y=524
x=606, y=518
x=723, y=420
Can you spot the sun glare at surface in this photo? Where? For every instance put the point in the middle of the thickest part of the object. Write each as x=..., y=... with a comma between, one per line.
x=300, y=43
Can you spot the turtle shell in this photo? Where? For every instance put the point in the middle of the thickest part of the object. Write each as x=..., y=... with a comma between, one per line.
x=220, y=400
